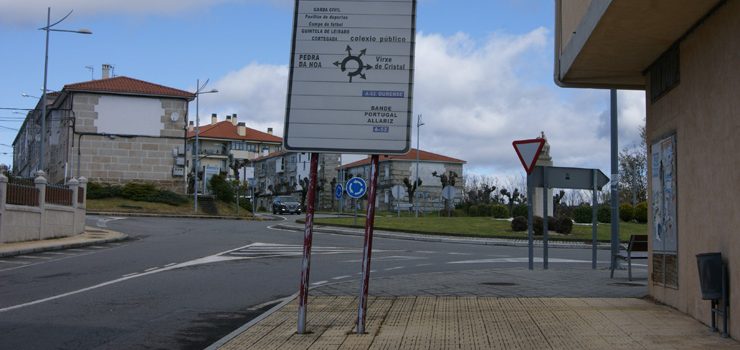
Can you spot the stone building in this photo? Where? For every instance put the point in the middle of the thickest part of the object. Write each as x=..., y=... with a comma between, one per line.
x=685, y=55
x=286, y=173
x=112, y=130
x=394, y=168
x=228, y=144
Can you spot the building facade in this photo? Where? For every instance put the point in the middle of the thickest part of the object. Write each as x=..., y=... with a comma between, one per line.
x=393, y=169
x=112, y=130
x=686, y=56
x=226, y=146
x=287, y=173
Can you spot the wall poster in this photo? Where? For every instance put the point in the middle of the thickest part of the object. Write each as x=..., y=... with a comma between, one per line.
x=663, y=201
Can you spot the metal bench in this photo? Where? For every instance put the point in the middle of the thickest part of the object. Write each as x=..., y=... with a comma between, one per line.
x=637, y=248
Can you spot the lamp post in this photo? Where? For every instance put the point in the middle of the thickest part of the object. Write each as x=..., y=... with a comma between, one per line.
x=48, y=29
x=196, y=157
x=416, y=183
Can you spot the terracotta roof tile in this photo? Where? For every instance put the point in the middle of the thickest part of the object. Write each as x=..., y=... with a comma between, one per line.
x=411, y=155
x=271, y=155
x=129, y=86
x=227, y=130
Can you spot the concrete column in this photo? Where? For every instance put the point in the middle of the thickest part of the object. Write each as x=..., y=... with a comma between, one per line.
x=40, y=182
x=83, y=185
x=74, y=186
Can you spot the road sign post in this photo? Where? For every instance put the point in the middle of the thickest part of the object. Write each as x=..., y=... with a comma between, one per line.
x=368, y=247
x=545, y=218
x=307, y=241
x=528, y=152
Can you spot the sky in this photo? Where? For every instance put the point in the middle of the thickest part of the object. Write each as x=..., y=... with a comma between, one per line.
x=484, y=73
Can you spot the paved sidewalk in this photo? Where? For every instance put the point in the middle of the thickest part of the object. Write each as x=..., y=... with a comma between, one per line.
x=91, y=236
x=433, y=322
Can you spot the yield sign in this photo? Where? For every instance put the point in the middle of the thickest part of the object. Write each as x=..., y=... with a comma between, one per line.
x=528, y=152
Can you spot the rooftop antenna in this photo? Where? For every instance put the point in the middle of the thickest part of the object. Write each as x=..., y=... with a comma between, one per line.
x=92, y=72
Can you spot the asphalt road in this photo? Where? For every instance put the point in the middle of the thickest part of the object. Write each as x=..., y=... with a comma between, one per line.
x=185, y=283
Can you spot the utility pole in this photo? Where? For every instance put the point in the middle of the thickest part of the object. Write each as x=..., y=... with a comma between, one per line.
x=416, y=182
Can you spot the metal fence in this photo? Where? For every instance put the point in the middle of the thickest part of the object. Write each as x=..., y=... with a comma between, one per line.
x=22, y=191
x=58, y=195
x=80, y=195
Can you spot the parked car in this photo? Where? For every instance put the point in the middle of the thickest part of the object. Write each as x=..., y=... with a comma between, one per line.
x=286, y=205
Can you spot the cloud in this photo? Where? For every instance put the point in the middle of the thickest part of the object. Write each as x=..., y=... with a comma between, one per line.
x=32, y=11
x=476, y=97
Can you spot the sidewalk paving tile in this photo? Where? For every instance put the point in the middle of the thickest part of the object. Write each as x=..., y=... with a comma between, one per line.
x=473, y=322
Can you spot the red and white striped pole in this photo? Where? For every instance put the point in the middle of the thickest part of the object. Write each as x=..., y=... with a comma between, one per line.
x=307, y=239
x=367, y=251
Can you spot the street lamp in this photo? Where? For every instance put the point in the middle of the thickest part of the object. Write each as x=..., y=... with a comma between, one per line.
x=196, y=158
x=418, y=126
x=48, y=29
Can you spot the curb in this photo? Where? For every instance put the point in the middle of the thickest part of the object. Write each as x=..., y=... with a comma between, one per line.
x=237, y=332
x=259, y=217
x=23, y=251
x=450, y=239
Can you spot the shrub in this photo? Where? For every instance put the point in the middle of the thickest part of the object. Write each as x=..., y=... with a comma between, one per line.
x=484, y=210
x=245, y=204
x=519, y=224
x=499, y=211
x=565, y=225
x=98, y=191
x=221, y=188
x=139, y=191
x=641, y=213
x=472, y=210
x=582, y=214
x=604, y=214
x=552, y=224
x=626, y=212
x=537, y=225
x=168, y=197
x=520, y=210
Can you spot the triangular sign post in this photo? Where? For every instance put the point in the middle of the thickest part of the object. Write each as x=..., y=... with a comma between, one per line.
x=528, y=152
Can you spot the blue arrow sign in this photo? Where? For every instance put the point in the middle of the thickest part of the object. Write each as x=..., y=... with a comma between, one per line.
x=356, y=187
x=338, y=191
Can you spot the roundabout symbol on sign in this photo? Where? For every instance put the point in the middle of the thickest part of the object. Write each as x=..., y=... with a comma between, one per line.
x=358, y=60
x=356, y=187
x=338, y=191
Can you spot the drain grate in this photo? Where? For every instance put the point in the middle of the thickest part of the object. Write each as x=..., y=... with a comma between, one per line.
x=499, y=284
x=627, y=284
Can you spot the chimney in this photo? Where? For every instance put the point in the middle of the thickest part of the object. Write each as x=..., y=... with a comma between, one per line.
x=269, y=131
x=233, y=119
x=191, y=126
x=214, y=118
x=106, y=71
x=228, y=118
x=241, y=128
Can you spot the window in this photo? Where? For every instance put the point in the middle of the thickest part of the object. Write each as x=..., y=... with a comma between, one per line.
x=665, y=73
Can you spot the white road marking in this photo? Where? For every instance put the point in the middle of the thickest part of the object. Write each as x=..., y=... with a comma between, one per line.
x=204, y=260
x=341, y=277
x=151, y=269
x=130, y=274
x=455, y=253
x=425, y=251
x=13, y=262
x=388, y=258
x=170, y=264
x=319, y=283
x=420, y=265
x=394, y=268
x=517, y=260
x=33, y=257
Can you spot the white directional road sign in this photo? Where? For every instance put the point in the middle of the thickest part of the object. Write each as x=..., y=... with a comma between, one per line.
x=356, y=187
x=351, y=76
x=528, y=152
x=398, y=191
x=449, y=192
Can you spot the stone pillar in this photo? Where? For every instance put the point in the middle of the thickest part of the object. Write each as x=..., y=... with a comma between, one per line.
x=83, y=187
x=40, y=183
x=3, y=198
x=74, y=186
x=544, y=160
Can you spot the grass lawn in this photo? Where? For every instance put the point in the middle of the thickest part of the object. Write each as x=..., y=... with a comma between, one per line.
x=129, y=206
x=480, y=227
